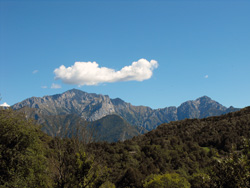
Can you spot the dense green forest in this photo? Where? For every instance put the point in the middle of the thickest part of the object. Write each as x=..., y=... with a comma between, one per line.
x=210, y=152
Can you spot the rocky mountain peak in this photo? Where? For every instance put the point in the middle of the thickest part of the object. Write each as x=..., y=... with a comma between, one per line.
x=204, y=98
x=118, y=101
x=200, y=108
x=91, y=107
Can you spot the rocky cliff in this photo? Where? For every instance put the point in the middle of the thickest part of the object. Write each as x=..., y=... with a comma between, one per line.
x=92, y=107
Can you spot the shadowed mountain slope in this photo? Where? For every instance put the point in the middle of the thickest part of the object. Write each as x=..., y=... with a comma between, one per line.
x=111, y=128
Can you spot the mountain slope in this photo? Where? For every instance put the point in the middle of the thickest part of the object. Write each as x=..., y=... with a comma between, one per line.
x=111, y=128
x=93, y=107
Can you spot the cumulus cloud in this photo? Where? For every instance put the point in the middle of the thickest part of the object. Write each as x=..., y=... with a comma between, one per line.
x=44, y=87
x=206, y=76
x=55, y=86
x=89, y=73
x=5, y=105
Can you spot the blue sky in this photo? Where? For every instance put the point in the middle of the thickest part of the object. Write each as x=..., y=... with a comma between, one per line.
x=201, y=48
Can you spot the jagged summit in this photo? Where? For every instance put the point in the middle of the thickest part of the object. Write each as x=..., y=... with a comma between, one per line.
x=204, y=97
x=75, y=90
x=88, y=105
x=93, y=107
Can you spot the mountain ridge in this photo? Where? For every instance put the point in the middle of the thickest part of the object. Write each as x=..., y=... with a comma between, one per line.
x=92, y=107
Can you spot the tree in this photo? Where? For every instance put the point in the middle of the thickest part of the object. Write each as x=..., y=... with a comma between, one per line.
x=107, y=184
x=172, y=180
x=22, y=156
x=131, y=178
x=72, y=166
x=231, y=172
x=199, y=180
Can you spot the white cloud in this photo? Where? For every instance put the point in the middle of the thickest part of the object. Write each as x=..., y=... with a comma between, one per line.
x=89, y=73
x=55, y=86
x=35, y=71
x=44, y=87
x=5, y=105
x=206, y=76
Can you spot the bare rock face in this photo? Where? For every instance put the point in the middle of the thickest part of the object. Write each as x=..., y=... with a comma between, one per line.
x=89, y=106
x=93, y=107
x=200, y=108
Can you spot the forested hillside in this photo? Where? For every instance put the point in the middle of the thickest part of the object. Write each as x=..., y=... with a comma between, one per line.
x=210, y=152
x=189, y=148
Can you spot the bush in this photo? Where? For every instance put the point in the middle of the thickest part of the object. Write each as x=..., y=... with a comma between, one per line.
x=172, y=180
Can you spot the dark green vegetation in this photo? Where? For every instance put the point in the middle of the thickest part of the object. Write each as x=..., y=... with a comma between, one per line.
x=30, y=158
x=211, y=152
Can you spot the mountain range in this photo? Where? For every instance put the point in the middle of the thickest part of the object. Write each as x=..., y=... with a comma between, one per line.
x=61, y=112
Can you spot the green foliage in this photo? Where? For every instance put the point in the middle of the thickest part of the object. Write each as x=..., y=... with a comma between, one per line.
x=172, y=180
x=28, y=158
x=186, y=147
x=199, y=180
x=72, y=166
x=131, y=178
x=232, y=172
x=22, y=159
x=107, y=184
x=211, y=152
